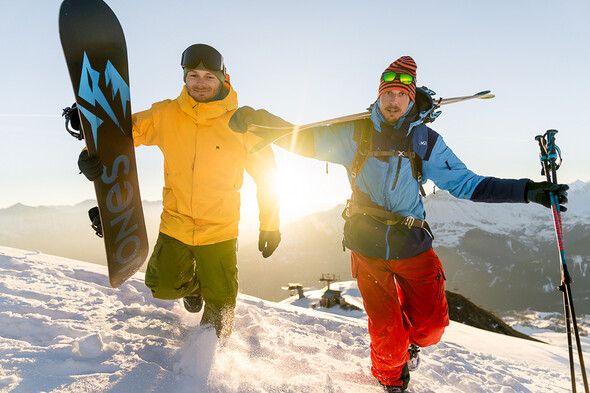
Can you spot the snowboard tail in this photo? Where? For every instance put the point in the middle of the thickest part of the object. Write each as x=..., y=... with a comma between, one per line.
x=96, y=55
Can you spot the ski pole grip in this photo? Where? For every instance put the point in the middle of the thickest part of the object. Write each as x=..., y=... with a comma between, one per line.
x=542, y=147
x=539, y=138
x=544, y=156
x=551, y=133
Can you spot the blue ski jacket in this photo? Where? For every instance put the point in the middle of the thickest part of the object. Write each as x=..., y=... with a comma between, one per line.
x=387, y=182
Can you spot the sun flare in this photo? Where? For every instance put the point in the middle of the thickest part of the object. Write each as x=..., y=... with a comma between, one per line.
x=304, y=186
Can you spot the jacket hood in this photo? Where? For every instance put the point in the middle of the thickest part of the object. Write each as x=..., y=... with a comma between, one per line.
x=419, y=111
x=201, y=111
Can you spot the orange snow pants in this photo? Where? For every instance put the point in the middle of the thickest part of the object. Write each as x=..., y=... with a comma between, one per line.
x=406, y=304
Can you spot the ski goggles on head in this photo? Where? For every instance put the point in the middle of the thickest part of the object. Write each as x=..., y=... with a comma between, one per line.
x=405, y=79
x=209, y=56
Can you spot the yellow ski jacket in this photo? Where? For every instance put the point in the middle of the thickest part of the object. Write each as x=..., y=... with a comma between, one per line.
x=204, y=162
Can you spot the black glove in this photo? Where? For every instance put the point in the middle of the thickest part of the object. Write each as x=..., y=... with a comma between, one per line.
x=245, y=116
x=268, y=241
x=91, y=167
x=241, y=119
x=538, y=192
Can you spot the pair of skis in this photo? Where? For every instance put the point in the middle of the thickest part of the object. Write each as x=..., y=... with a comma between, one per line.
x=272, y=134
x=550, y=161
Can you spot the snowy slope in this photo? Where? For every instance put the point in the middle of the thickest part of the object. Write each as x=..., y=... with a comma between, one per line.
x=63, y=329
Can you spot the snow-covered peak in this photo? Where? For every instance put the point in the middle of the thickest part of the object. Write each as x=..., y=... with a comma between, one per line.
x=452, y=218
x=580, y=187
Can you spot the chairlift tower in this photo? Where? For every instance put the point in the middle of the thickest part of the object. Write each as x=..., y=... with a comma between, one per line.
x=295, y=287
x=328, y=278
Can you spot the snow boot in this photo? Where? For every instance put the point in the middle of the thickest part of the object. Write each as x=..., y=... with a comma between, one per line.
x=193, y=303
x=404, y=379
x=414, y=361
x=394, y=389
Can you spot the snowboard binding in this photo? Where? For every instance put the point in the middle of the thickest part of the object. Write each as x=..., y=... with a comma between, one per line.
x=72, y=117
x=94, y=216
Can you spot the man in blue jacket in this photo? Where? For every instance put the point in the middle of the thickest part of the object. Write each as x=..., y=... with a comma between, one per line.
x=388, y=158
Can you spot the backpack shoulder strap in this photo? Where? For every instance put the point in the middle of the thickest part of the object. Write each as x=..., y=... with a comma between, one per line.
x=415, y=158
x=363, y=133
x=416, y=163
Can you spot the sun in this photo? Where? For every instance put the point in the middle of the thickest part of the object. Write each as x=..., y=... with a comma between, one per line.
x=304, y=187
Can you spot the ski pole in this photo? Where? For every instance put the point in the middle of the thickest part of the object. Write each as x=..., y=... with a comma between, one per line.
x=549, y=155
x=548, y=164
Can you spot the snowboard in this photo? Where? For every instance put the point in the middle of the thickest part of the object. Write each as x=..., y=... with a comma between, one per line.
x=96, y=55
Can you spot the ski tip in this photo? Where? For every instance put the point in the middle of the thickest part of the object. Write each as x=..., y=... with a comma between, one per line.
x=483, y=93
x=487, y=96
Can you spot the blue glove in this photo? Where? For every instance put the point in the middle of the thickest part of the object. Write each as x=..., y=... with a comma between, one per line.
x=268, y=241
x=538, y=192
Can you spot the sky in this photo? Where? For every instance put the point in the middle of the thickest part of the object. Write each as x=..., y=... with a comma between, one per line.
x=308, y=61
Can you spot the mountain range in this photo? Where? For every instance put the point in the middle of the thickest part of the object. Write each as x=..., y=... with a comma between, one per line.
x=501, y=256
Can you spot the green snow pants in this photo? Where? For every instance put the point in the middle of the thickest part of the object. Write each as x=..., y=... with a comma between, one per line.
x=176, y=270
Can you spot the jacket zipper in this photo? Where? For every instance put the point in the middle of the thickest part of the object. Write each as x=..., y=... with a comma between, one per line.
x=385, y=188
x=399, y=165
x=193, y=190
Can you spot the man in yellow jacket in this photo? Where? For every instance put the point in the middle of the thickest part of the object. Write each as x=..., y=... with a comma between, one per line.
x=195, y=255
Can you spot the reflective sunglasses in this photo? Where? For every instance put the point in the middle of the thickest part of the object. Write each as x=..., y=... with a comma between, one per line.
x=209, y=56
x=403, y=78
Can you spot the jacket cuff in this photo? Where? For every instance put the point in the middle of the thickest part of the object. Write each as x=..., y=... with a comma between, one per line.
x=494, y=190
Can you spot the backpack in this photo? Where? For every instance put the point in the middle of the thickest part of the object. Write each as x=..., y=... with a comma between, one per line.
x=364, y=128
